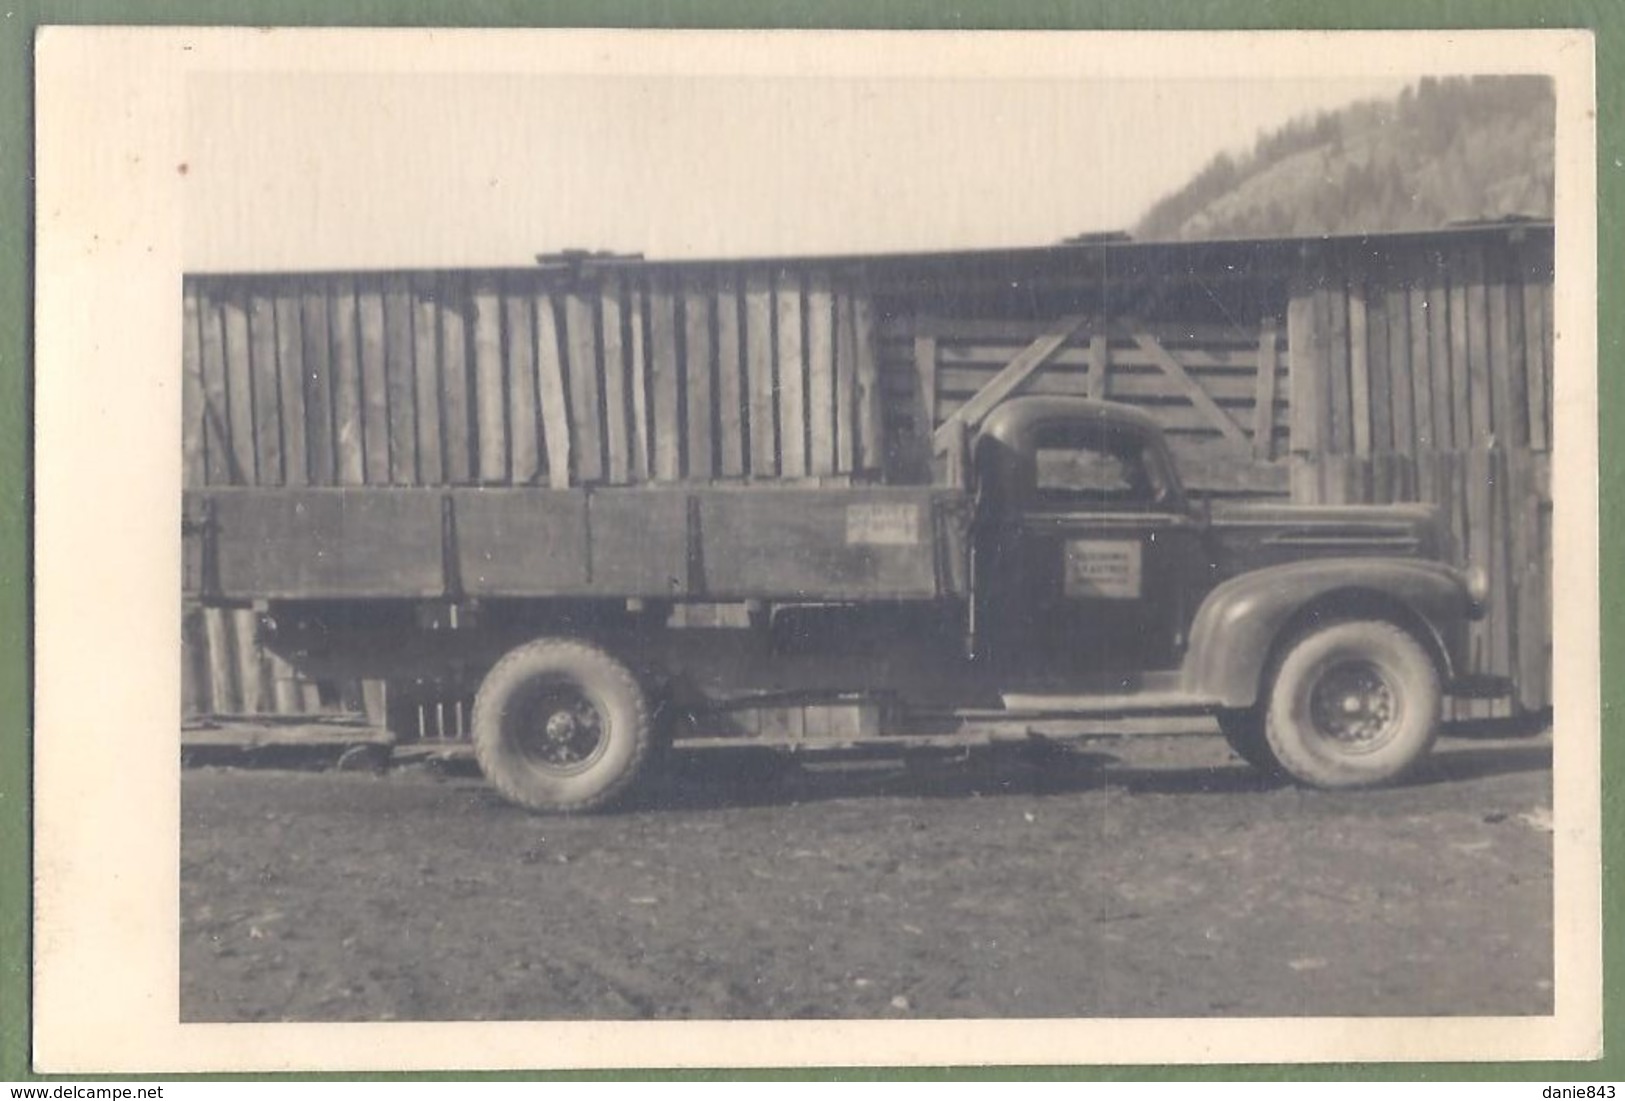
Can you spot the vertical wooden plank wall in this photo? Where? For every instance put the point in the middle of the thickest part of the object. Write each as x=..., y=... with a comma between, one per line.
x=1442, y=394
x=508, y=378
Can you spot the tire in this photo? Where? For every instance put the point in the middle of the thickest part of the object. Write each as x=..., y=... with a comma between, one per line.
x=1353, y=704
x=1243, y=729
x=561, y=726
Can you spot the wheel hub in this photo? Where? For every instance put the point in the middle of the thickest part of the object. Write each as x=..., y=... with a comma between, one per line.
x=564, y=731
x=1354, y=705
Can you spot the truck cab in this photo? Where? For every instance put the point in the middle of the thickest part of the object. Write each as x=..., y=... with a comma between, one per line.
x=1322, y=638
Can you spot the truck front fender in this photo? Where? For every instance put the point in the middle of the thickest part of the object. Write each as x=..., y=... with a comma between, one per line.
x=1243, y=623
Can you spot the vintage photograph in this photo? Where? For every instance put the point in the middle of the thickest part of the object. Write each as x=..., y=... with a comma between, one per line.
x=878, y=533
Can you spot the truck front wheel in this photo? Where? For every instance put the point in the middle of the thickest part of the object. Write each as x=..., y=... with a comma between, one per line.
x=561, y=726
x=1353, y=704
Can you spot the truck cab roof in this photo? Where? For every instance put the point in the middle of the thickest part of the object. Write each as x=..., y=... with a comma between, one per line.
x=1017, y=421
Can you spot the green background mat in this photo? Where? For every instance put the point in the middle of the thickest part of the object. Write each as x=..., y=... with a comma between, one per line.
x=19, y=20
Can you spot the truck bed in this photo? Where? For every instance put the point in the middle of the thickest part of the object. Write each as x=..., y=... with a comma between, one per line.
x=708, y=543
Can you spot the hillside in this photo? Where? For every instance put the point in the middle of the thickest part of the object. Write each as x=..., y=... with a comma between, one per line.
x=1447, y=150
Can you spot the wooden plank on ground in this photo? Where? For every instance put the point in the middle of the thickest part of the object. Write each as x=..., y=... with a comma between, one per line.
x=551, y=394
x=699, y=373
x=791, y=374
x=820, y=375
x=1305, y=368
x=224, y=694
x=194, y=664
x=1191, y=389
x=617, y=407
x=193, y=464
x=263, y=376
x=1030, y=359
x=638, y=357
x=317, y=352
x=460, y=428
x=586, y=425
x=490, y=404
x=731, y=384
x=401, y=382
x=872, y=448
x=374, y=382
x=426, y=371
x=285, y=694
x=664, y=382
x=253, y=680
x=1536, y=365
x=1359, y=372
x=1264, y=394
x=524, y=413
x=349, y=458
x=763, y=394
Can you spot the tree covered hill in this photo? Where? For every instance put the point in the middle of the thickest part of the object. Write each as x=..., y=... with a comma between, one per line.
x=1447, y=150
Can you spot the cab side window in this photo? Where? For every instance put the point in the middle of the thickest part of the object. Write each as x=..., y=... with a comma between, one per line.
x=1092, y=468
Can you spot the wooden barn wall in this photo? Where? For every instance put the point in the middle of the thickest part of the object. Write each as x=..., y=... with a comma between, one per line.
x=1219, y=391
x=509, y=378
x=1419, y=373
x=1426, y=375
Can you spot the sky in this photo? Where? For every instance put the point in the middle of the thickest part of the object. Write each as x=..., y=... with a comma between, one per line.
x=357, y=170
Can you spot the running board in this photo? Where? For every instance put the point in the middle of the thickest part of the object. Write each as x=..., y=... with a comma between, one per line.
x=1133, y=703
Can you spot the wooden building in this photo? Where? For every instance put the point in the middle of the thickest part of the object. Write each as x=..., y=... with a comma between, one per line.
x=1383, y=368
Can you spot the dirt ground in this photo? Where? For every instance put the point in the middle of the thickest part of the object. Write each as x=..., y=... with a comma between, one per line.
x=1134, y=877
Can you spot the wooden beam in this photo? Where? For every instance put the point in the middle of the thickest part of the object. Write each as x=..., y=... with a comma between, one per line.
x=490, y=458
x=1264, y=396
x=1193, y=390
x=1007, y=381
x=872, y=447
x=637, y=353
x=374, y=382
x=617, y=409
x=925, y=404
x=348, y=458
x=1100, y=366
x=1359, y=373
x=550, y=394
x=192, y=408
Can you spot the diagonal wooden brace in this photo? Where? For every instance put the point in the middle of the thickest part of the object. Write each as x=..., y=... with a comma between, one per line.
x=1007, y=381
x=1193, y=389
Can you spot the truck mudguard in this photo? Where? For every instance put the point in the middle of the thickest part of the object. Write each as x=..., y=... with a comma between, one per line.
x=1242, y=624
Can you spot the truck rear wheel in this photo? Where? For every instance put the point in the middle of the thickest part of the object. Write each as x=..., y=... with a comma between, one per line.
x=561, y=726
x=1353, y=704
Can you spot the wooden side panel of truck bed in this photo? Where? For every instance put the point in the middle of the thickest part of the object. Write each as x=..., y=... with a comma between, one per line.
x=700, y=544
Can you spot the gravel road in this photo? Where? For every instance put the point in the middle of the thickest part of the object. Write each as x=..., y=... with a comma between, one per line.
x=1134, y=877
